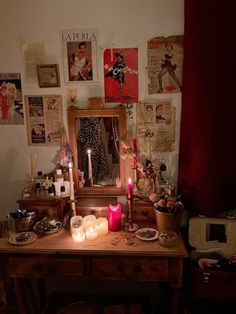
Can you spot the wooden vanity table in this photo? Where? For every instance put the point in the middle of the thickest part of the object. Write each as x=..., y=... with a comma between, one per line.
x=118, y=256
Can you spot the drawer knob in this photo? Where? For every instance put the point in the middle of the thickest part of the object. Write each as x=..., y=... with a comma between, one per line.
x=206, y=277
x=52, y=268
x=38, y=267
x=121, y=268
x=137, y=269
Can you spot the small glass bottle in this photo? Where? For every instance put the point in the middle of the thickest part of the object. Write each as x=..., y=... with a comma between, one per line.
x=39, y=178
x=59, y=176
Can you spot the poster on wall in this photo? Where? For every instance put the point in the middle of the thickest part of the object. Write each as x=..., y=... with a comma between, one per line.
x=80, y=55
x=121, y=75
x=44, y=118
x=11, y=102
x=165, y=64
x=156, y=121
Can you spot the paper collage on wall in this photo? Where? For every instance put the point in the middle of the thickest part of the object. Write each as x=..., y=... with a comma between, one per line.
x=121, y=75
x=165, y=64
x=11, y=103
x=44, y=117
x=155, y=126
x=80, y=55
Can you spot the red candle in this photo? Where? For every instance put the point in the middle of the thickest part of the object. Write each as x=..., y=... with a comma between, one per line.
x=130, y=189
x=114, y=217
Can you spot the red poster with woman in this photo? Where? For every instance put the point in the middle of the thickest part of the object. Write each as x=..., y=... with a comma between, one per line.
x=121, y=75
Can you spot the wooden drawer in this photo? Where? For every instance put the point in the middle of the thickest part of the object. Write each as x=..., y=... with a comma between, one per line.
x=41, y=267
x=130, y=268
x=213, y=284
x=143, y=211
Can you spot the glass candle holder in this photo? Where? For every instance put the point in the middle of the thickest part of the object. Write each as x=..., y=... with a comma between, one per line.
x=89, y=220
x=91, y=233
x=77, y=228
x=101, y=226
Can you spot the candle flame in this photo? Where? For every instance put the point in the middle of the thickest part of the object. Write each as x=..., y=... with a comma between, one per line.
x=70, y=165
x=89, y=151
x=129, y=181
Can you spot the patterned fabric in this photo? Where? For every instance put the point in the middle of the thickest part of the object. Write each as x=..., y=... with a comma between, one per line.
x=91, y=137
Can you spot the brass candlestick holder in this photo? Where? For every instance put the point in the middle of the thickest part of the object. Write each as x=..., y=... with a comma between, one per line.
x=72, y=208
x=131, y=227
x=135, y=180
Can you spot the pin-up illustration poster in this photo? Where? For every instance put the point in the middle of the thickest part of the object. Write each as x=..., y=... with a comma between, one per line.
x=121, y=75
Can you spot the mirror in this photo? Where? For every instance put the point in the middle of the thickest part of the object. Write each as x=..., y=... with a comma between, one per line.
x=94, y=139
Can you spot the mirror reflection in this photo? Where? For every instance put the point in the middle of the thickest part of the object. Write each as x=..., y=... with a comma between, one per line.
x=96, y=139
x=98, y=151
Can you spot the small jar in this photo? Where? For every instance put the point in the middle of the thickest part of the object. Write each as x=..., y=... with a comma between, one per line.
x=168, y=238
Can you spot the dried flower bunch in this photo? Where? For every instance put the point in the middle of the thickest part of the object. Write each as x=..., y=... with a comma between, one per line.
x=165, y=204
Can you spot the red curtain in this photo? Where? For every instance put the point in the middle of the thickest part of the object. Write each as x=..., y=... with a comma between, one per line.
x=207, y=159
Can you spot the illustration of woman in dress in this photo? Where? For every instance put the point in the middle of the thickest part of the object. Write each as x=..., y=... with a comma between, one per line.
x=80, y=64
x=117, y=71
x=168, y=67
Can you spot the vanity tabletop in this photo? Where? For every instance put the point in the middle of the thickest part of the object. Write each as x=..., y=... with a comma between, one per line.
x=114, y=243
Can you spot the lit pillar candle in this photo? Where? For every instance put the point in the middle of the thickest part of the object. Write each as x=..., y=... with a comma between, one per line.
x=90, y=173
x=78, y=236
x=72, y=193
x=130, y=189
x=114, y=217
x=91, y=233
x=101, y=226
x=77, y=229
x=89, y=220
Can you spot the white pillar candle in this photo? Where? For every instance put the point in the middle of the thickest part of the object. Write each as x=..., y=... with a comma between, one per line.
x=90, y=173
x=77, y=229
x=89, y=220
x=78, y=236
x=72, y=193
x=91, y=233
x=101, y=226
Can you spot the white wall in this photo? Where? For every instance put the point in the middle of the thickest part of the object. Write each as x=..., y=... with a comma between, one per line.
x=120, y=24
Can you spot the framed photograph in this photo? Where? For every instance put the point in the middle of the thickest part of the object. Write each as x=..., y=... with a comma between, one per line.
x=80, y=55
x=48, y=75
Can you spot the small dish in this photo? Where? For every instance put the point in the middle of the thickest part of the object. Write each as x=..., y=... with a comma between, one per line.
x=147, y=234
x=22, y=238
x=45, y=226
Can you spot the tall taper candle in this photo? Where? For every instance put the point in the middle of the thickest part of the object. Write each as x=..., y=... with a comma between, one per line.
x=90, y=173
x=130, y=189
x=72, y=193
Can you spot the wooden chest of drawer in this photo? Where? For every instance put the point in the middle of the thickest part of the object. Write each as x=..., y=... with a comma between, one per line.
x=130, y=268
x=42, y=267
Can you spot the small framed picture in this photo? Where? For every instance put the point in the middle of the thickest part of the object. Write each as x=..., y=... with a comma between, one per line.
x=48, y=75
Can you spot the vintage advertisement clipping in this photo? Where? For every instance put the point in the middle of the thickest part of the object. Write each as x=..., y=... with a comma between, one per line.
x=44, y=116
x=156, y=120
x=165, y=64
x=11, y=102
x=80, y=55
x=121, y=75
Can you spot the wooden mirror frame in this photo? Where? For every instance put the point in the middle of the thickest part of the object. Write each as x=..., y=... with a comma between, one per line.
x=74, y=113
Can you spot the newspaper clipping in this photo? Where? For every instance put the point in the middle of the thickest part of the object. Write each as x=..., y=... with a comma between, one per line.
x=44, y=117
x=156, y=120
x=165, y=64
